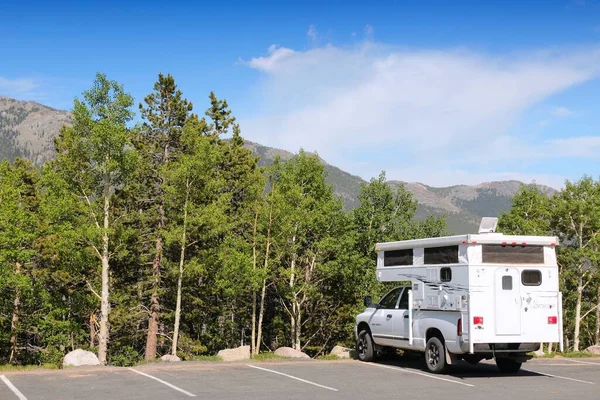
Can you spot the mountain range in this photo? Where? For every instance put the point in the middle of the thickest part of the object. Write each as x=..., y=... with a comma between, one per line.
x=27, y=130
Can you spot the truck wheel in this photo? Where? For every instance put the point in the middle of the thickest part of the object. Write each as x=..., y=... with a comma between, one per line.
x=507, y=365
x=435, y=356
x=364, y=346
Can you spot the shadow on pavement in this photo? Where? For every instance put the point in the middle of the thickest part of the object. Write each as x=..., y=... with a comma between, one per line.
x=485, y=369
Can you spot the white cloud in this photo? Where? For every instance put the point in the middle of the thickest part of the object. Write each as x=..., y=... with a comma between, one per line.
x=276, y=55
x=373, y=107
x=19, y=87
x=369, y=31
x=312, y=32
x=562, y=112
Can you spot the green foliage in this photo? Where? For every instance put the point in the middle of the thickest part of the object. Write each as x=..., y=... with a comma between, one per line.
x=125, y=356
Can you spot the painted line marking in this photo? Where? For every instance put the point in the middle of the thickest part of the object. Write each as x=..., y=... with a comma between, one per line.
x=560, y=377
x=582, y=362
x=419, y=373
x=13, y=388
x=163, y=382
x=292, y=377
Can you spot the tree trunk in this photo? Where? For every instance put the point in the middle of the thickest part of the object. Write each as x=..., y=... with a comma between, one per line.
x=298, y=329
x=180, y=278
x=104, y=305
x=253, y=333
x=151, y=338
x=598, y=317
x=92, y=330
x=294, y=313
x=14, y=324
x=261, y=314
x=264, y=283
x=578, y=313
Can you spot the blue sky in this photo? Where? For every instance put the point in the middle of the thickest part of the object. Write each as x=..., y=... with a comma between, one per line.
x=431, y=91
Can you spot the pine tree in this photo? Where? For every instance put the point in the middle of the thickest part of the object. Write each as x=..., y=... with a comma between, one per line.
x=165, y=114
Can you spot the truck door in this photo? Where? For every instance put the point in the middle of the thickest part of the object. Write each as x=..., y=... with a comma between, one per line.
x=507, y=301
x=401, y=320
x=382, y=321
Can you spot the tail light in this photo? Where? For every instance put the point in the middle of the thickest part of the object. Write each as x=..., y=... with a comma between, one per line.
x=477, y=320
x=552, y=320
x=459, y=327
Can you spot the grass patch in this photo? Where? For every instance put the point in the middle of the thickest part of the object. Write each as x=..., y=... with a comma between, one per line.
x=206, y=358
x=570, y=354
x=266, y=356
x=328, y=357
x=10, y=367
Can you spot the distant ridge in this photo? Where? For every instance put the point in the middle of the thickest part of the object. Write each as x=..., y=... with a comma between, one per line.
x=27, y=129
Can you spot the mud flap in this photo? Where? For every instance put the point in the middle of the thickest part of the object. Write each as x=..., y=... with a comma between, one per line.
x=451, y=358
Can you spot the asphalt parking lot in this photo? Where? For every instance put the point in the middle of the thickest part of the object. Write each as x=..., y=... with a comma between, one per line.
x=401, y=377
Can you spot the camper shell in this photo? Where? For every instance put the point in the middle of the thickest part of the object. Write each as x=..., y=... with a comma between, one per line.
x=471, y=297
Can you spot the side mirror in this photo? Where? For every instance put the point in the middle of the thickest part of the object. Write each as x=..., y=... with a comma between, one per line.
x=368, y=302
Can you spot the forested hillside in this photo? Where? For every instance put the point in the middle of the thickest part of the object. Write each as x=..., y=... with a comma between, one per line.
x=171, y=237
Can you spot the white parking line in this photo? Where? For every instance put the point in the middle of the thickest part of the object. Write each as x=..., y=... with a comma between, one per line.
x=559, y=377
x=581, y=362
x=292, y=377
x=13, y=388
x=410, y=371
x=163, y=382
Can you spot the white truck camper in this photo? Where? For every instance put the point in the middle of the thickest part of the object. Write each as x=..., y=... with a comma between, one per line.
x=470, y=297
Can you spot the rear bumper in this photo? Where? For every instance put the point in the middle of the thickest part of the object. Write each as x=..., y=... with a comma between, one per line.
x=501, y=348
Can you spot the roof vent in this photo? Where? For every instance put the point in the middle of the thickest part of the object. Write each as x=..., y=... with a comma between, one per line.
x=488, y=225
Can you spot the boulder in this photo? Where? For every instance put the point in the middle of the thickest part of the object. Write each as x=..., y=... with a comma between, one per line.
x=237, y=354
x=170, y=358
x=539, y=353
x=341, y=352
x=290, y=353
x=593, y=350
x=79, y=357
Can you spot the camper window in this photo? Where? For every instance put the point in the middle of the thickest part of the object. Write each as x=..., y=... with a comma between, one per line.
x=531, y=277
x=441, y=255
x=507, y=282
x=446, y=274
x=398, y=257
x=503, y=254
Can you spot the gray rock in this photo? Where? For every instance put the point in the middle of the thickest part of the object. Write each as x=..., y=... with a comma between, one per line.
x=79, y=357
x=290, y=353
x=341, y=352
x=593, y=350
x=170, y=358
x=237, y=354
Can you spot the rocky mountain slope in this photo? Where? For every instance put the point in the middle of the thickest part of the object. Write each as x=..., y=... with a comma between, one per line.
x=27, y=130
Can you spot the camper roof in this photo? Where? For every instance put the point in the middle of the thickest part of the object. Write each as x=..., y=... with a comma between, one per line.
x=486, y=238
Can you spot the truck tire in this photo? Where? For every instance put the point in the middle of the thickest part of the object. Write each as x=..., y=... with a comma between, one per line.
x=364, y=346
x=507, y=365
x=435, y=356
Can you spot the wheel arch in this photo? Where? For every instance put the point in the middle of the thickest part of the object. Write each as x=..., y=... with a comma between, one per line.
x=434, y=332
x=363, y=326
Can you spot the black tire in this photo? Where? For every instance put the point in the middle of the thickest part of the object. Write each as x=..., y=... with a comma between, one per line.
x=364, y=346
x=435, y=356
x=507, y=365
